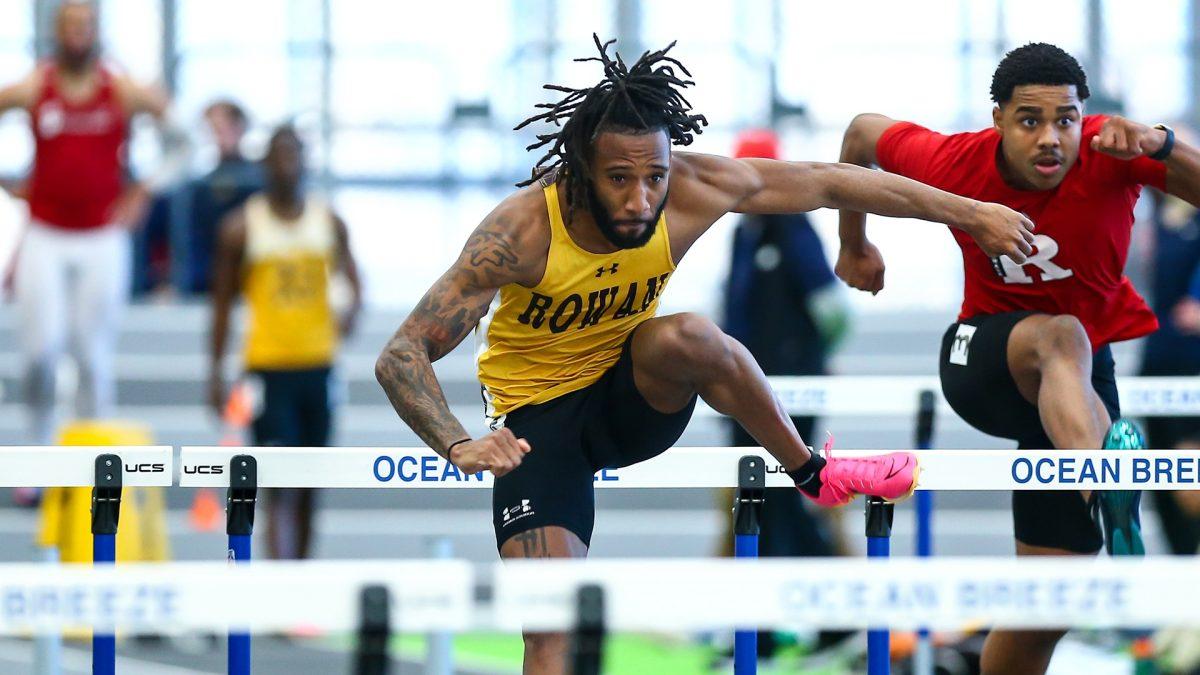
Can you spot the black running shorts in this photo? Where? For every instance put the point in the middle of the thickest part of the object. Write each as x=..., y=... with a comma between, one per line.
x=978, y=385
x=605, y=425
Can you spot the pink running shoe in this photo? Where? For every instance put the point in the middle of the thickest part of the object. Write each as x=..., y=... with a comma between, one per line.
x=892, y=476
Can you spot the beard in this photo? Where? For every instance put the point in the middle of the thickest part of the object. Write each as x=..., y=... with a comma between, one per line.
x=76, y=59
x=608, y=226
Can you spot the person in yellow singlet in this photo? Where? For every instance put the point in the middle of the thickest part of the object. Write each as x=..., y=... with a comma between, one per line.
x=562, y=281
x=279, y=250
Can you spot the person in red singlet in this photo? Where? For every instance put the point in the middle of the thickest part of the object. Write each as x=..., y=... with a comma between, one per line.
x=1028, y=358
x=72, y=270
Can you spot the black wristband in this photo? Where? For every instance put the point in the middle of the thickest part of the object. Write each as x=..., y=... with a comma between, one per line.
x=451, y=446
x=1167, y=146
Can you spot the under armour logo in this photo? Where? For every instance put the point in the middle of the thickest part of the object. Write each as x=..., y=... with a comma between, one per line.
x=611, y=269
x=517, y=512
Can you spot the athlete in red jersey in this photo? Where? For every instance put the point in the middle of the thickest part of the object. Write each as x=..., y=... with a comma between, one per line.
x=72, y=272
x=1028, y=358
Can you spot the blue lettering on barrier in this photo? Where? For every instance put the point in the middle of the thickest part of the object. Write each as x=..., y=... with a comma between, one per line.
x=410, y=477
x=856, y=595
x=801, y=595
x=1110, y=470
x=103, y=606
x=808, y=399
x=391, y=468
x=425, y=469
x=1141, y=470
x=14, y=603
x=606, y=477
x=1026, y=468
x=1044, y=478
x=1162, y=469
x=1066, y=470
x=1087, y=473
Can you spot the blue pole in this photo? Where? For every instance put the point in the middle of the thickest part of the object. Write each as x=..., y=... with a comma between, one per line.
x=106, y=512
x=745, y=642
x=104, y=645
x=239, y=643
x=879, y=532
x=240, y=501
x=747, y=505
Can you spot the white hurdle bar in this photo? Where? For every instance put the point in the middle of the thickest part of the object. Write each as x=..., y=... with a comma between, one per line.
x=677, y=595
x=75, y=465
x=705, y=467
x=897, y=395
x=168, y=598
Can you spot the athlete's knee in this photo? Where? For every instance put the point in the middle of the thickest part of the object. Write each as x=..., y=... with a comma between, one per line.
x=1063, y=336
x=1043, y=640
x=694, y=340
x=546, y=648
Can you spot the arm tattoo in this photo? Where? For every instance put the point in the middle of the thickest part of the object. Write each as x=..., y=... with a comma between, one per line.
x=489, y=247
x=440, y=321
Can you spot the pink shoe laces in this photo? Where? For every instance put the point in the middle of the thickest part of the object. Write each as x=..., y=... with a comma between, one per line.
x=850, y=476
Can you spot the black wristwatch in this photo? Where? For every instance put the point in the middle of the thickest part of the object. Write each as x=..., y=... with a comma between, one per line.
x=1167, y=146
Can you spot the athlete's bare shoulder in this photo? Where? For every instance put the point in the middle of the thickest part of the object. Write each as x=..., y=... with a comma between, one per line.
x=139, y=98
x=511, y=244
x=23, y=93
x=717, y=182
x=703, y=188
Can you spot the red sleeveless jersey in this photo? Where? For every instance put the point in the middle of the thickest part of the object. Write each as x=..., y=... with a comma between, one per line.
x=79, y=159
x=1083, y=227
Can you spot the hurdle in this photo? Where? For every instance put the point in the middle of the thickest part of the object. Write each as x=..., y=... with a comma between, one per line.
x=890, y=395
x=591, y=598
x=718, y=467
x=106, y=469
x=250, y=468
x=409, y=468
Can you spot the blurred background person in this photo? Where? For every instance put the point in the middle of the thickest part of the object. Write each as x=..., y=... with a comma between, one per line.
x=226, y=187
x=1174, y=349
x=279, y=251
x=783, y=302
x=199, y=206
x=71, y=277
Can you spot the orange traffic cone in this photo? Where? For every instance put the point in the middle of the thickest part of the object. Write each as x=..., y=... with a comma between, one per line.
x=206, y=512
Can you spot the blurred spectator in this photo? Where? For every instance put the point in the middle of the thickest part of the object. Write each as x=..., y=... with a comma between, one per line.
x=783, y=302
x=198, y=207
x=1174, y=350
x=224, y=189
x=72, y=270
x=280, y=250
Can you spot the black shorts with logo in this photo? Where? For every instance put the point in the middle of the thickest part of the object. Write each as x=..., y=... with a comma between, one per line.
x=604, y=425
x=977, y=383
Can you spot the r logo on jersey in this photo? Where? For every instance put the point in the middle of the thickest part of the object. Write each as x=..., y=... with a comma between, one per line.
x=1047, y=248
x=961, y=347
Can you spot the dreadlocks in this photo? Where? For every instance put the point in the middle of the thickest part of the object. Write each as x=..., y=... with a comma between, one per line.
x=640, y=99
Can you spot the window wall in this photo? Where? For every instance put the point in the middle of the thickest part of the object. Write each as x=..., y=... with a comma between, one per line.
x=408, y=108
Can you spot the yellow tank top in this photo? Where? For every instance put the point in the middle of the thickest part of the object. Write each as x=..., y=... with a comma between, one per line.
x=539, y=343
x=286, y=285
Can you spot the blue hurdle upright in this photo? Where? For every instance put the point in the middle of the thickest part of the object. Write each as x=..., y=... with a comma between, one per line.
x=106, y=511
x=747, y=507
x=879, y=531
x=239, y=526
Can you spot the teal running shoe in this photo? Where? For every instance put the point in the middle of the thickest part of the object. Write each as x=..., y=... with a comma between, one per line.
x=1120, y=510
